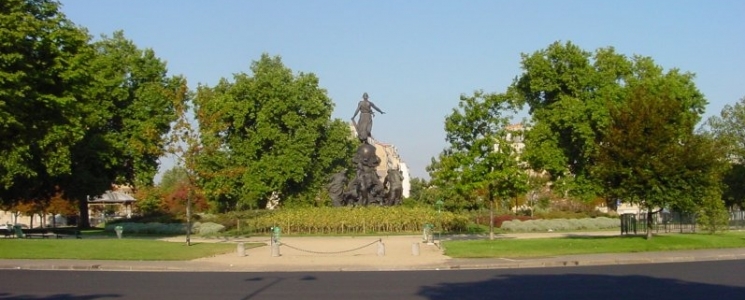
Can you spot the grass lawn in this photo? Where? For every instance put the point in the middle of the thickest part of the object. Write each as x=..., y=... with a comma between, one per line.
x=111, y=249
x=524, y=248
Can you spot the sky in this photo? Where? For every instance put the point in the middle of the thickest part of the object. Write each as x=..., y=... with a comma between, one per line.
x=415, y=58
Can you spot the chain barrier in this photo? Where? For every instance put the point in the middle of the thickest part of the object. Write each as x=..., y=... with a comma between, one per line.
x=332, y=252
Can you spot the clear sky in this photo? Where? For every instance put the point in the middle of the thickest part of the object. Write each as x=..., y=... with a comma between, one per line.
x=415, y=58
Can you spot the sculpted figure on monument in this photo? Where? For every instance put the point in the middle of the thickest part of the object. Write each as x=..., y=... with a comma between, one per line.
x=394, y=180
x=364, y=124
x=335, y=187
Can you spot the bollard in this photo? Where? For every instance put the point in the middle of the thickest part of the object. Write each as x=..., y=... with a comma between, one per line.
x=275, y=250
x=119, y=230
x=276, y=231
x=415, y=249
x=241, y=249
x=381, y=248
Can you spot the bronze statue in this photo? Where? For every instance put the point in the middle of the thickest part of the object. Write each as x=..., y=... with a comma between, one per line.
x=364, y=125
x=394, y=180
x=366, y=187
x=335, y=187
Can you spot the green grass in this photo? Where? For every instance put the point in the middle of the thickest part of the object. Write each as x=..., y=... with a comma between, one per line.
x=110, y=249
x=525, y=248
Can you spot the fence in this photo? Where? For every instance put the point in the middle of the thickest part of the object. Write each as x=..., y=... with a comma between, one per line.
x=663, y=221
x=737, y=219
x=672, y=222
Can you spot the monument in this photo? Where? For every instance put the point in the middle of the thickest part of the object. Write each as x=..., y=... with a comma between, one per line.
x=365, y=188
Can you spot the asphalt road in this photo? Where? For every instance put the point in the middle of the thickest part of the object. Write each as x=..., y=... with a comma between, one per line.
x=678, y=281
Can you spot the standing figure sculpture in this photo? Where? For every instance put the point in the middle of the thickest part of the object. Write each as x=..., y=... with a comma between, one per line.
x=364, y=125
x=394, y=180
x=335, y=187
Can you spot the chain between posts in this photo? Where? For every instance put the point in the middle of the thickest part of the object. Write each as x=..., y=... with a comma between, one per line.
x=332, y=252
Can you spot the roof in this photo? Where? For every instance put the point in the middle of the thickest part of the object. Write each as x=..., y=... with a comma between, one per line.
x=113, y=197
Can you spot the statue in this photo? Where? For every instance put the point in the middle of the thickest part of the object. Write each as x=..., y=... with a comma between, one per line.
x=335, y=187
x=366, y=187
x=394, y=180
x=364, y=125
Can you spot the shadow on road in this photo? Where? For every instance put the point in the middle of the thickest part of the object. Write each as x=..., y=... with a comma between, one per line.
x=580, y=286
x=58, y=297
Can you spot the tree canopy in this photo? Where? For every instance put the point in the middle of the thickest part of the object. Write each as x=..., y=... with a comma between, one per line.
x=270, y=131
x=77, y=115
x=729, y=129
x=568, y=91
x=43, y=73
x=481, y=157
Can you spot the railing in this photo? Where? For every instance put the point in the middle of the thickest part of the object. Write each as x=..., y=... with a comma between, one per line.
x=672, y=222
x=737, y=219
x=660, y=221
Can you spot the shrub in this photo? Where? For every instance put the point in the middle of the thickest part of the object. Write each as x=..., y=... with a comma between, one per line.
x=561, y=224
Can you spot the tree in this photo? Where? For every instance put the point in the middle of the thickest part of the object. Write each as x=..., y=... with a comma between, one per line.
x=44, y=60
x=567, y=90
x=172, y=178
x=480, y=155
x=132, y=106
x=269, y=132
x=729, y=128
x=650, y=156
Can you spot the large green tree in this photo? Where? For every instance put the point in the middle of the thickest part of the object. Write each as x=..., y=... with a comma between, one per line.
x=567, y=90
x=133, y=102
x=650, y=156
x=269, y=131
x=44, y=75
x=481, y=156
x=729, y=128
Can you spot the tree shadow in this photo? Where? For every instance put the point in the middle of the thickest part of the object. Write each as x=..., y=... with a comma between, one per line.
x=580, y=286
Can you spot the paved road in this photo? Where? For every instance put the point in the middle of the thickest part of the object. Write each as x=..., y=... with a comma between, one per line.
x=675, y=281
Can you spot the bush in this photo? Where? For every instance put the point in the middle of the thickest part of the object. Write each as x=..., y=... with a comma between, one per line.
x=348, y=220
x=148, y=228
x=561, y=224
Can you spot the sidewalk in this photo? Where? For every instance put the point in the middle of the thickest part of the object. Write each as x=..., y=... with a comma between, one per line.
x=367, y=253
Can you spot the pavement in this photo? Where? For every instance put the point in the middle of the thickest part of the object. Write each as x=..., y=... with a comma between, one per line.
x=367, y=253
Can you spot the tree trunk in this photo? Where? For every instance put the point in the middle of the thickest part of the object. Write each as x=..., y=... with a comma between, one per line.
x=491, y=213
x=188, y=216
x=649, y=224
x=84, y=219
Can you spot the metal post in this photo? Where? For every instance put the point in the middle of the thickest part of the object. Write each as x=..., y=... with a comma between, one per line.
x=275, y=241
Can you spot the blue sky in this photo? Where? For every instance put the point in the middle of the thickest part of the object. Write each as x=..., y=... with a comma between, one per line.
x=415, y=58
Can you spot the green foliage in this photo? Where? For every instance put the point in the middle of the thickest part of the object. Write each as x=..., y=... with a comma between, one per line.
x=734, y=189
x=81, y=115
x=481, y=159
x=712, y=215
x=43, y=74
x=347, y=220
x=561, y=224
x=570, y=93
x=650, y=156
x=729, y=129
x=148, y=228
x=267, y=132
